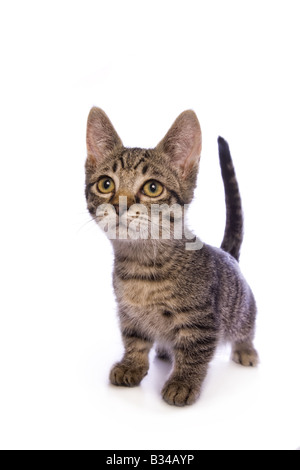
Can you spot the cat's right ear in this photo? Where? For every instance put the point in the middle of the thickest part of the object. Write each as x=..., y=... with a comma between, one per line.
x=101, y=137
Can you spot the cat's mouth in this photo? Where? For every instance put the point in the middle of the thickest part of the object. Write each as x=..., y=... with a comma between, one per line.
x=134, y=226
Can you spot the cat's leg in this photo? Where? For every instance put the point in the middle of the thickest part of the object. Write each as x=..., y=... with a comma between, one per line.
x=193, y=350
x=184, y=384
x=162, y=353
x=244, y=353
x=135, y=363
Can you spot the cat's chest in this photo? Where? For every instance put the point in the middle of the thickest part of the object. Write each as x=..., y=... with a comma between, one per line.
x=147, y=303
x=144, y=293
x=144, y=285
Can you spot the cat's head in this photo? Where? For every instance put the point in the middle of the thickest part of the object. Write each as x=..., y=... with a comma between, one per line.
x=141, y=178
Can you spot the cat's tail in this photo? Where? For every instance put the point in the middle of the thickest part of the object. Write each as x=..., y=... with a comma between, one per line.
x=233, y=235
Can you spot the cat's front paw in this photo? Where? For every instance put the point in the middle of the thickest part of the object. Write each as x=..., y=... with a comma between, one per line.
x=122, y=374
x=179, y=394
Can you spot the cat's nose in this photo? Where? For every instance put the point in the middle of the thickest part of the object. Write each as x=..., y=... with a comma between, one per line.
x=122, y=202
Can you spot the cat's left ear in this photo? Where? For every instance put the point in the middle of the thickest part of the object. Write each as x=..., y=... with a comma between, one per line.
x=183, y=143
x=101, y=137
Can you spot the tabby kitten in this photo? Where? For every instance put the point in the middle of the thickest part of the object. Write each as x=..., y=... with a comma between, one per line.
x=184, y=300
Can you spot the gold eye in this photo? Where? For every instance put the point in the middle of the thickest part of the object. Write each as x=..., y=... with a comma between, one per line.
x=153, y=188
x=106, y=185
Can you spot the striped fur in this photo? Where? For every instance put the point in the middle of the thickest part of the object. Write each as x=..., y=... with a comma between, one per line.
x=182, y=301
x=233, y=236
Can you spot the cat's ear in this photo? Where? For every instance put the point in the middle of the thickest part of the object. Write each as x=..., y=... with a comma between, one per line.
x=183, y=143
x=101, y=137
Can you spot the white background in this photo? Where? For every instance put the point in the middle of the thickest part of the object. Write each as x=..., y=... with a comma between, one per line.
x=236, y=64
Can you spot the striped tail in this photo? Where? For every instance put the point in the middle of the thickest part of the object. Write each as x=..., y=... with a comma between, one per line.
x=233, y=235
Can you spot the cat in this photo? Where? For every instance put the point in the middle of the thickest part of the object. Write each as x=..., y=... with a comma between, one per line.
x=184, y=300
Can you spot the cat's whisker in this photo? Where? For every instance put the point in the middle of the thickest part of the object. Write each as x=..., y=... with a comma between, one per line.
x=88, y=222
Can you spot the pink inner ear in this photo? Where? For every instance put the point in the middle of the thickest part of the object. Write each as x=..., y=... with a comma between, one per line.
x=101, y=137
x=183, y=142
x=194, y=156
